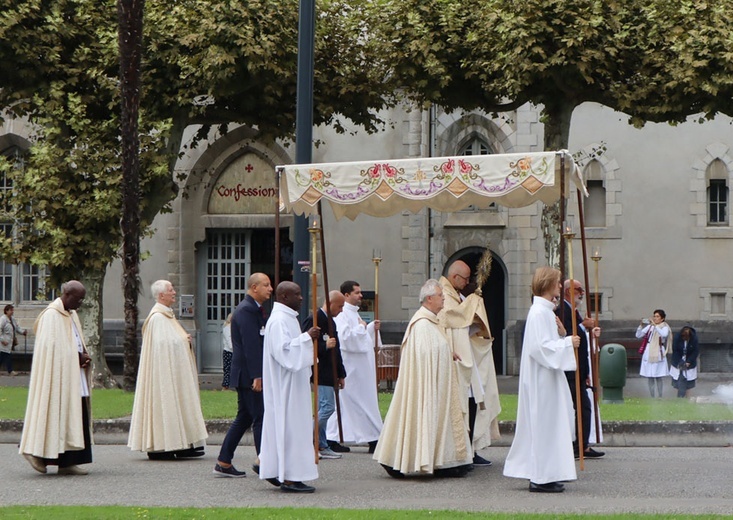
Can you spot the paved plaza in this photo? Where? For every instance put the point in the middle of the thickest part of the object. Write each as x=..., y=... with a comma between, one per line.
x=643, y=480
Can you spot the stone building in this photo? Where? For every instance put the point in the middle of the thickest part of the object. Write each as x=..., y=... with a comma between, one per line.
x=658, y=209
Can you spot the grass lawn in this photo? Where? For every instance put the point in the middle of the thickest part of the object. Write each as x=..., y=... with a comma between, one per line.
x=217, y=404
x=153, y=513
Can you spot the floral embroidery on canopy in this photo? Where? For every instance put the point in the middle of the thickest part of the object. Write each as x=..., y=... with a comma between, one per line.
x=382, y=188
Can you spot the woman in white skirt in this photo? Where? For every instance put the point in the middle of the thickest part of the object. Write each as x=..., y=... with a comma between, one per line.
x=658, y=343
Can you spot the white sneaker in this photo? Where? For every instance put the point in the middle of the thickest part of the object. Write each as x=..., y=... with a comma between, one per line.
x=327, y=453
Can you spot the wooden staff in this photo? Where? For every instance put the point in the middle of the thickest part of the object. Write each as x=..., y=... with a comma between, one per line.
x=568, y=234
x=313, y=228
x=278, y=173
x=591, y=336
x=331, y=332
x=376, y=258
x=596, y=257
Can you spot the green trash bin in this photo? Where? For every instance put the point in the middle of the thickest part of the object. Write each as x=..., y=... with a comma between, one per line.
x=612, y=372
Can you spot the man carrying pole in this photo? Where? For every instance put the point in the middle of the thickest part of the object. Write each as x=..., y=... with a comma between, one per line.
x=360, y=415
x=576, y=292
x=328, y=351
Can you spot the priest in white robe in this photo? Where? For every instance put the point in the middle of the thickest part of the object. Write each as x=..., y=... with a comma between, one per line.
x=361, y=419
x=287, y=453
x=542, y=450
x=167, y=421
x=57, y=425
x=425, y=431
x=469, y=335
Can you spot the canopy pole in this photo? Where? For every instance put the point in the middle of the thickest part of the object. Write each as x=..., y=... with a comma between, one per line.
x=313, y=229
x=376, y=258
x=331, y=332
x=278, y=176
x=591, y=336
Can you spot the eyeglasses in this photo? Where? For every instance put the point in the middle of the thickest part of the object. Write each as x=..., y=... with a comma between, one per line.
x=467, y=278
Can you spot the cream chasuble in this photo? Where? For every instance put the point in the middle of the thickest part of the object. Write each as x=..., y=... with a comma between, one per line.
x=476, y=367
x=53, y=417
x=166, y=414
x=542, y=450
x=425, y=427
x=360, y=416
x=287, y=451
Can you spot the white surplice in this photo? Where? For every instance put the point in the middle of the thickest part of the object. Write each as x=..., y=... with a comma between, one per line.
x=542, y=450
x=360, y=417
x=425, y=426
x=287, y=451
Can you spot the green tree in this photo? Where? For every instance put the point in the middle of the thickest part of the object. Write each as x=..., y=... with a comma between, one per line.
x=654, y=61
x=204, y=63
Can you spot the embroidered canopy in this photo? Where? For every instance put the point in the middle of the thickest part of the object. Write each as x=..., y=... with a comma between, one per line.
x=448, y=184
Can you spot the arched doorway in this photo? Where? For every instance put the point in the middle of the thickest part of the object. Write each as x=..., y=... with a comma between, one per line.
x=494, y=295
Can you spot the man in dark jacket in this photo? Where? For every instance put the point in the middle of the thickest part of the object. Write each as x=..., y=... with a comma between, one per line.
x=330, y=366
x=564, y=310
x=248, y=329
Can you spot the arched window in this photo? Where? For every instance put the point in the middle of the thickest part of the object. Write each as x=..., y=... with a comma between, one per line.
x=475, y=146
x=716, y=176
x=595, y=204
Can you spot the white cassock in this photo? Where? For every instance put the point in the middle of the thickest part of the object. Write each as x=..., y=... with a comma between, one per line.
x=360, y=416
x=425, y=427
x=287, y=451
x=542, y=450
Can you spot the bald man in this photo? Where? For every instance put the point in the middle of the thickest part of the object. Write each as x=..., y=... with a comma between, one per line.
x=467, y=328
x=331, y=371
x=287, y=438
x=57, y=425
x=248, y=334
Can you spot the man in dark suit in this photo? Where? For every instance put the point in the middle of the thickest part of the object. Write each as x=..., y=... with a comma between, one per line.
x=248, y=329
x=329, y=352
x=566, y=315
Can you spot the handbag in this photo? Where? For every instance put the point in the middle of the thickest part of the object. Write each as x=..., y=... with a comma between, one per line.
x=644, y=343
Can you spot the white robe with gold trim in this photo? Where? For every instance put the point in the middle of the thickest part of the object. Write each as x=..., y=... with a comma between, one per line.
x=425, y=426
x=53, y=417
x=166, y=413
x=476, y=367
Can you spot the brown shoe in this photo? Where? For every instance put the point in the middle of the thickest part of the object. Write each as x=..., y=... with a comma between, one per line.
x=35, y=462
x=73, y=470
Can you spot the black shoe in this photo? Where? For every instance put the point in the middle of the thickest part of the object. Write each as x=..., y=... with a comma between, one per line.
x=275, y=482
x=296, y=487
x=457, y=472
x=189, y=453
x=478, y=460
x=162, y=455
x=372, y=446
x=550, y=487
x=393, y=472
x=231, y=471
x=590, y=453
x=338, y=448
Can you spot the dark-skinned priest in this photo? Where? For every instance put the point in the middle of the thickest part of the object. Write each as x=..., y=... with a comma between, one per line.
x=286, y=452
x=425, y=430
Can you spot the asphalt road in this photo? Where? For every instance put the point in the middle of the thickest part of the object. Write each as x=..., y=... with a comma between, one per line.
x=679, y=481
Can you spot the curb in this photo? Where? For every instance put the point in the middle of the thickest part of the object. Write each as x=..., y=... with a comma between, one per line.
x=615, y=433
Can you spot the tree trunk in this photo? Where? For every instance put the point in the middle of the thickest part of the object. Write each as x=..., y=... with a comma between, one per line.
x=130, y=17
x=91, y=316
x=557, y=132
